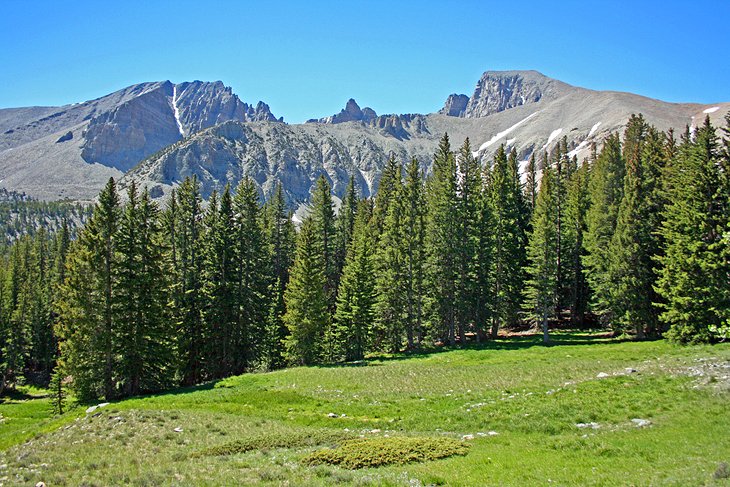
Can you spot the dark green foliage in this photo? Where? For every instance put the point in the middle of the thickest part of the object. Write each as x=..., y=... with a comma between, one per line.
x=378, y=452
x=307, y=313
x=323, y=219
x=356, y=297
x=696, y=263
x=605, y=191
x=252, y=275
x=290, y=439
x=508, y=226
x=632, y=250
x=541, y=293
x=441, y=226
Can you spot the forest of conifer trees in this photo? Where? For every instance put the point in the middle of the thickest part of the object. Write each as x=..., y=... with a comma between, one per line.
x=635, y=239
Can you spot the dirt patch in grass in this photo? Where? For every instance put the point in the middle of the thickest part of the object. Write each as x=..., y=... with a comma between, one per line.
x=296, y=439
x=377, y=452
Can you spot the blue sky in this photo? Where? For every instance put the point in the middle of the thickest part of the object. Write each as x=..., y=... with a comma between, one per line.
x=305, y=59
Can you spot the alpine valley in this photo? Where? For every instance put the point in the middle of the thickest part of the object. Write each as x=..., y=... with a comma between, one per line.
x=158, y=133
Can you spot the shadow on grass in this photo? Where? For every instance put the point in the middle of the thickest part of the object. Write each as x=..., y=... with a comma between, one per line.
x=517, y=342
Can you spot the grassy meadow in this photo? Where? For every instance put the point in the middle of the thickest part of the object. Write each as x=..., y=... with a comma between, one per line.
x=584, y=411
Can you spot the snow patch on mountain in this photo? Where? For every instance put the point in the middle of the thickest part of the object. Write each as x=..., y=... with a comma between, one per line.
x=501, y=134
x=594, y=128
x=710, y=110
x=553, y=135
x=176, y=111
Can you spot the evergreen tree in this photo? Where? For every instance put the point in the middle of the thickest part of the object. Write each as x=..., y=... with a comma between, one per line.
x=531, y=183
x=356, y=298
x=468, y=190
x=143, y=341
x=345, y=224
x=281, y=235
x=508, y=247
x=695, y=266
x=254, y=275
x=307, y=315
x=391, y=273
x=219, y=287
x=631, y=253
x=87, y=327
x=576, y=207
x=413, y=239
x=185, y=230
x=390, y=180
x=441, y=227
x=541, y=292
x=323, y=219
x=605, y=191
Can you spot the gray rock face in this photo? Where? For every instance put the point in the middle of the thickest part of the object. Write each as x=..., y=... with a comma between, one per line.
x=455, y=105
x=501, y=90
x=108, y=136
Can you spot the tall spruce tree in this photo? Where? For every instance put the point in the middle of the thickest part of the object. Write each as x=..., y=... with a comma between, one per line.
x=413, y=241
x=605, y=191
x=307, y=312
x=323, y=219
x=541, y=292
x=253, y=276
x=87, y=327
x=508, y=247
x=185, y=232
x=442, y=225
x=356, y=298
x=695, y=265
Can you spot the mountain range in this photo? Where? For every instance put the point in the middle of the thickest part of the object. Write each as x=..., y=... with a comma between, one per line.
x=158, y=133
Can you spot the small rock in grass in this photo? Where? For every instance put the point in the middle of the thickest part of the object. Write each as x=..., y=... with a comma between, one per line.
x=629, y=370
x=40, y=484
x=492, y=433
x=375, y=431
x=602, y=375
x=591, y=425
x=178, y=430
x=640, y=423
x=467, y=437
x=103, y=405
x=91, y=409
x=332, y=415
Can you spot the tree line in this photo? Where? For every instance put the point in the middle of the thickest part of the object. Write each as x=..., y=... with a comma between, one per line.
x=636, y=237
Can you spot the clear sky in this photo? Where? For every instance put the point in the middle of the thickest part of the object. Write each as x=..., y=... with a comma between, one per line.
x=305, y=59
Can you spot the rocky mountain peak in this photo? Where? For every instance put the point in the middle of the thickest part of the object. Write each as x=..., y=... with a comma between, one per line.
x=351, y=113
x=497, y=91
x=455, y=105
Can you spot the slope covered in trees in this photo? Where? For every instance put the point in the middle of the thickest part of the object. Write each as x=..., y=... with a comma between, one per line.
x=637, y=236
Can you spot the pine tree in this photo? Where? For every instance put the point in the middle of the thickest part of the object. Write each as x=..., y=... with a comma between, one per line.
x=345, y=224
x=143, y=341
x=219, y=288
x=357, y=294
x=442, y=225
x=508, y=247
x=484, y=258
x=281, y=235
x=391, y=272
x=390, y=179
x=468, y=190
x=323, y=218
x=576, y=207
x=275, y=332
x=605, y=191
x=184, y=223
x=413, y=240
x=254, y=274
x=307, y=315
x=87, y=326
x=631, y=252
x=695, y=266
x=541, y=291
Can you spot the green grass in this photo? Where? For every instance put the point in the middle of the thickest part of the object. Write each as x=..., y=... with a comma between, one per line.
x=514, y=402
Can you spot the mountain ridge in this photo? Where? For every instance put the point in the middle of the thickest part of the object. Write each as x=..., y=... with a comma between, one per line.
x=159, y=132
